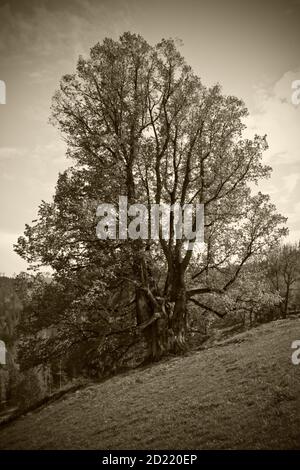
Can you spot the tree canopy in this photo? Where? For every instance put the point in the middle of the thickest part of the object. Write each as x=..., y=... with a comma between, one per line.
x=138, y=122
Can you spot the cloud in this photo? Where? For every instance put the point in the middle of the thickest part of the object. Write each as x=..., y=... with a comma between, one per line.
x=275, y=115
x=26, y=177
x=60, y=30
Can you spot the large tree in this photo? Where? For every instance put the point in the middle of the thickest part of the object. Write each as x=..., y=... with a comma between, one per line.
x=139, y=123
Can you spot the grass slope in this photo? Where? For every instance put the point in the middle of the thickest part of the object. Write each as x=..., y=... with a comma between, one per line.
x=240, y=394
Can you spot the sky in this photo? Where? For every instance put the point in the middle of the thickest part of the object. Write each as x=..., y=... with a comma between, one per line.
x=250, y=47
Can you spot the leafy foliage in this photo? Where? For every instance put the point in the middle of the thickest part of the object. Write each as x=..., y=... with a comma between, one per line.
x=138, y=122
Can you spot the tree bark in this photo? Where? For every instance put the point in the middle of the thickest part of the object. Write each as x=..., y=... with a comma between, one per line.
x=286, y=300
x=167, y=332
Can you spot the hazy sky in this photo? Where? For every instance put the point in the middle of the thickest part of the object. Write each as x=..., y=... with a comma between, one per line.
x=251, y=48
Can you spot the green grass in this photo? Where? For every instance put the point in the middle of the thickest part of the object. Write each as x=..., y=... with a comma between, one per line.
x=243, y=393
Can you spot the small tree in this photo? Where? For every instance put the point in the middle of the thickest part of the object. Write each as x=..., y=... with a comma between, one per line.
x=283, y=271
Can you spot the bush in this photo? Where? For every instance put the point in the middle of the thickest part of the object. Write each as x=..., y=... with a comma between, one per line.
x=30, y=389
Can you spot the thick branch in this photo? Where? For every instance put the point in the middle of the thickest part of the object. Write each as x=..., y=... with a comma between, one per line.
x=210, y=309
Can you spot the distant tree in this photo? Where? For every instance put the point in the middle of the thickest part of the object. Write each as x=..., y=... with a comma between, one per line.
x=138, y=122
x=10, y=312
x=10, y=309
x=283, y=271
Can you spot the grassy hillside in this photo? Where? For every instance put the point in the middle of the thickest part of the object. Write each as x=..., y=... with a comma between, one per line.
x=241, y=393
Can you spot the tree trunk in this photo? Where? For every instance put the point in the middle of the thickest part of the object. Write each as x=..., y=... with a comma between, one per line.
x=164, y=320
x=286, y=301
